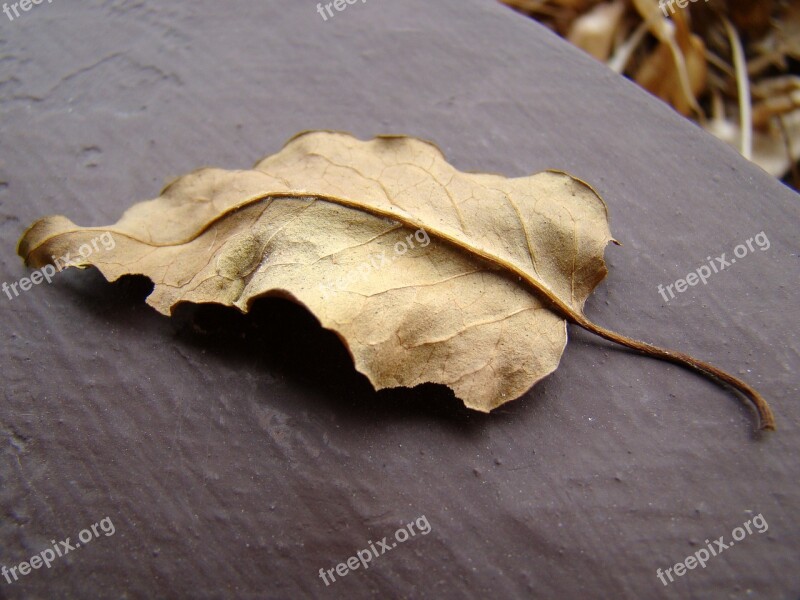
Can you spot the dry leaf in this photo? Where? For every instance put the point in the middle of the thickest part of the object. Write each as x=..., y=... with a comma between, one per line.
x=594, y=31
x=676, y=70
x=427, y=274
x=695, y=54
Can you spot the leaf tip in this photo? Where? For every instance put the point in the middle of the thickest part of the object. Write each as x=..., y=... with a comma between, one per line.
x=38, y=233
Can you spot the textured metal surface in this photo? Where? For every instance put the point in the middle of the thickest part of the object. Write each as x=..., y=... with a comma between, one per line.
x=236, y=456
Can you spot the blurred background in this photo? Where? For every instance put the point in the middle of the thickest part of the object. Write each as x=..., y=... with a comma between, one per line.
x=729, y=65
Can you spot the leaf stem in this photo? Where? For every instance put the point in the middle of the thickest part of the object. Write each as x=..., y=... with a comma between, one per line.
x=766, y=418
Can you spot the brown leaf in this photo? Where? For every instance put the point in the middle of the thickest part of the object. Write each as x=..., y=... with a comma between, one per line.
x=304, y=223
x=594, y=31
x=427, y=274
x=676, y=70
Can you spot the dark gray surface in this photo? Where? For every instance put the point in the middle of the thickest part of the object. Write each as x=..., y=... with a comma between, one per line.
x=237, y=456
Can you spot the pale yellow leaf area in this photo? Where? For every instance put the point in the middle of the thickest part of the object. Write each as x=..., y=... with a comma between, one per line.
x=338, y=225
